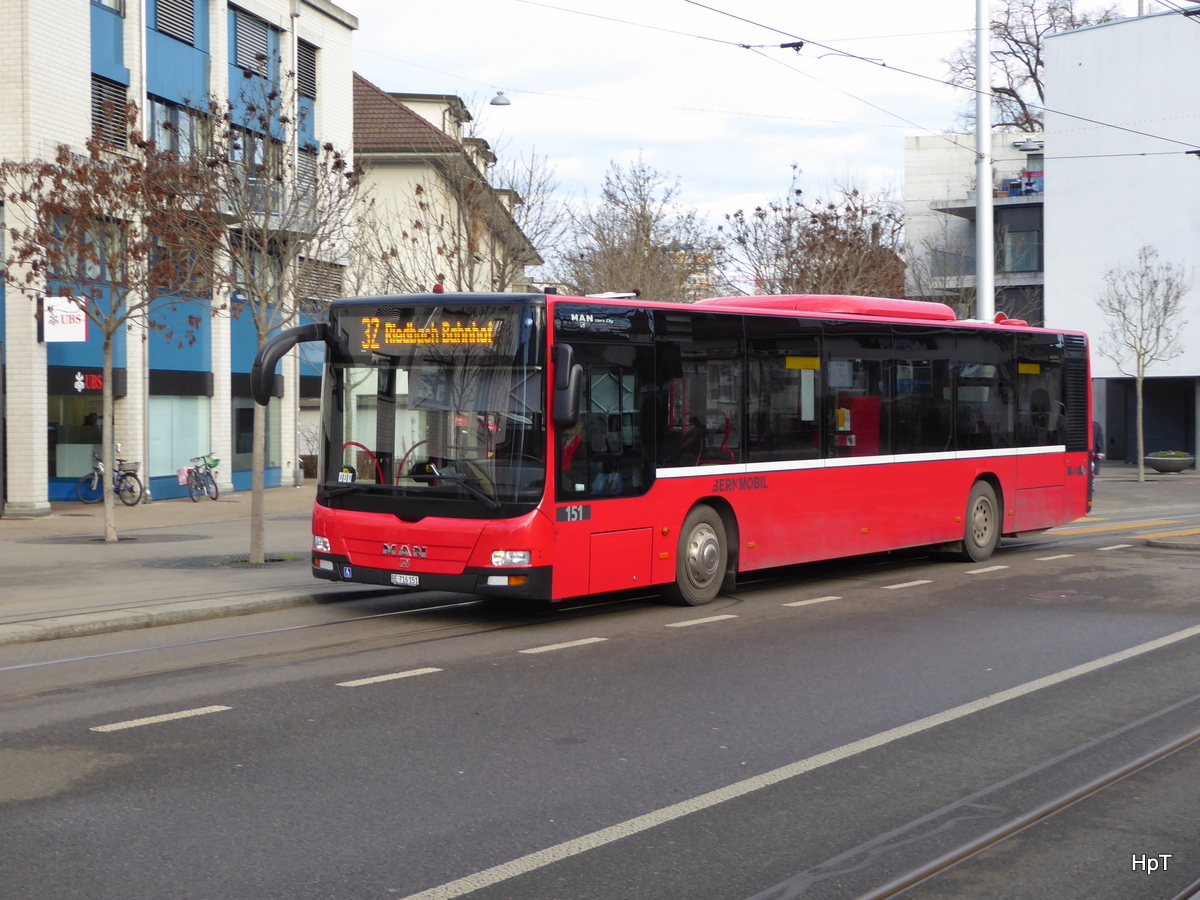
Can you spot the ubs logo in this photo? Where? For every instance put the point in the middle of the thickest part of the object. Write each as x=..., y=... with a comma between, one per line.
x=410, y=550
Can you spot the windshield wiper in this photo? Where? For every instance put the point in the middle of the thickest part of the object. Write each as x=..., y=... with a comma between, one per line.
x=472, y=485
x=465, y=480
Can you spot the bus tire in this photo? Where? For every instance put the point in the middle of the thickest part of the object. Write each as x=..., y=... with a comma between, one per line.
x=981, y=526
x=701, y=558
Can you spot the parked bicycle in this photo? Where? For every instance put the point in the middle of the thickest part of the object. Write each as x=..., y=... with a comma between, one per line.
x=125, y=484
x=200, y=478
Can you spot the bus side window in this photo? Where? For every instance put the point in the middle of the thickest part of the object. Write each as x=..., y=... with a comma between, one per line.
x=1043, y=417
x=859, y=421
x=699, y=376
x=783, y=389
x=605, y=455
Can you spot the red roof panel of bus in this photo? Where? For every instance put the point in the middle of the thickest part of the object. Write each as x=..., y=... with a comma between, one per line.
x=838, y=304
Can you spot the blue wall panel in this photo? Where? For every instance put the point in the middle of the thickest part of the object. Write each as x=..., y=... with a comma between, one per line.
x=195, y=353
x=108, y=45
x=176, y=71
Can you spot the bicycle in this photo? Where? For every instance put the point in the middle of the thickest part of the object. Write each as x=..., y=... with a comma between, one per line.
x=200, y=479
x=125, y=485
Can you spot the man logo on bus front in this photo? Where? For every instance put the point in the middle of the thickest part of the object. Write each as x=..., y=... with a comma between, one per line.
x=411, y=550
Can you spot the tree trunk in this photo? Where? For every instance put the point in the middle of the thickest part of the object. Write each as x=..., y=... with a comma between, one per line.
x=107, y=430
x=257, y=499
x=1141, y=431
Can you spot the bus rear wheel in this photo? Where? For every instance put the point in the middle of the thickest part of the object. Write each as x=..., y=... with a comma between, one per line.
x=981, y=528
x=700, y=560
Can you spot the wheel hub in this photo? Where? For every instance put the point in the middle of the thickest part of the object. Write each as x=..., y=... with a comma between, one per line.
x=703, y=554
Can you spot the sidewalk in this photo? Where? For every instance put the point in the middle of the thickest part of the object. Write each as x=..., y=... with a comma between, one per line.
x=175, y=561
x=179, y=561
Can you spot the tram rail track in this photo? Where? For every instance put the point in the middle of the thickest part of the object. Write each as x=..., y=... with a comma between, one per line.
x=1022, y=823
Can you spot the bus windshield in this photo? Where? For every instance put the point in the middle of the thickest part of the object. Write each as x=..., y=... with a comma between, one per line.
x=437, y=402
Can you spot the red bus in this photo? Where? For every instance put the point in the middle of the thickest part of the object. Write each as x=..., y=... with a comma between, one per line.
x=544, y=446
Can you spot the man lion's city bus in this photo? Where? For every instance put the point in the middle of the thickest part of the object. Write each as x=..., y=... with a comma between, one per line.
x=544, y=446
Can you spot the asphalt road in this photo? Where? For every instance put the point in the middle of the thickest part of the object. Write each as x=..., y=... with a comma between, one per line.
x=752, y=748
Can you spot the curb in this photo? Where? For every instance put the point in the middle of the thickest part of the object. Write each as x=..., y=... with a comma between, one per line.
x=1173, y=545
x=172, y=613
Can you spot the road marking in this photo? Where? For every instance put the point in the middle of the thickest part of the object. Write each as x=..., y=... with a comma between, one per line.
x=167, y=717
x=375, y=679
x=630, y=827
x=814, y=600
x=699, y=621
x=1151, y=523
x=1115, y=547
x=1166, y=534
x=896, y=587
x=564, y=646
x=1060, y=556
x=988, y=569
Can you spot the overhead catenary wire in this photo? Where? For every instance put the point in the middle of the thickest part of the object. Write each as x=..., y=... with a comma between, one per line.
x=933, y=79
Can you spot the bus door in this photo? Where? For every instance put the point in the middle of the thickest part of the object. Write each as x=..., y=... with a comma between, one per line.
x=604, y=529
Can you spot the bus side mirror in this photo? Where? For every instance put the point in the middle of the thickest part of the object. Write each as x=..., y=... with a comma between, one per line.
x=568, y=386
x=262, y=372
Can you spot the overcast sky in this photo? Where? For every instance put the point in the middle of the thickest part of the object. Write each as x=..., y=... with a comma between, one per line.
x=670, y=83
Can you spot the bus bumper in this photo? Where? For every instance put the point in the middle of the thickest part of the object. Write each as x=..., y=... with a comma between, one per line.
x=531, y=583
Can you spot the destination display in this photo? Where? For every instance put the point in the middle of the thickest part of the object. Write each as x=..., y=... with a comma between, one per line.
x=379, y=332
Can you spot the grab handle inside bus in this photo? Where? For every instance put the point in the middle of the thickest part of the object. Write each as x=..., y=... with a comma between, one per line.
x=262, y=372
x=568, y=386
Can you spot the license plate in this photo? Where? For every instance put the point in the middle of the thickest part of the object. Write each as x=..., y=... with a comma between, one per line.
x=406, y=580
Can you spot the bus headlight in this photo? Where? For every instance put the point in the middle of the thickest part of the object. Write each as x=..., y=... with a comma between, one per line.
x=511, y=557
x=320, y=544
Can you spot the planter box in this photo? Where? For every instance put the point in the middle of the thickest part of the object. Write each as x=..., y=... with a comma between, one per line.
x=1169, y=463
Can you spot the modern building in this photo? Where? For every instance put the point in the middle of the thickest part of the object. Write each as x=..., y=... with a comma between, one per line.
x=65, y=66
x=1123, y=133
x=939, y=221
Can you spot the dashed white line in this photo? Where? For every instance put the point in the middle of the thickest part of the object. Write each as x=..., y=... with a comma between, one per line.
x=1115, y=547
x=906, y=584
x=375, y=679
x=166, y=717
x=987, y=569
x=814, y=600
x=1060, y=556
x=563, y=646
x=700, y=621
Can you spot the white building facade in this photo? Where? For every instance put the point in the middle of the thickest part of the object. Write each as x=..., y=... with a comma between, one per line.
x=1122, y=179
x=175, y=400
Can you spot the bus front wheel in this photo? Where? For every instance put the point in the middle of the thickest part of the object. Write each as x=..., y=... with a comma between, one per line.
x=701, y=558
x=981, y=530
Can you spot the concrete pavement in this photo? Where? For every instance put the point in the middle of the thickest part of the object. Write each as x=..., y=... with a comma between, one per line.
x=175, y=561
x=179, y=561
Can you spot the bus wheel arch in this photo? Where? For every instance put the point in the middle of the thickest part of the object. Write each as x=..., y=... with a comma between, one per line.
x=706, y=560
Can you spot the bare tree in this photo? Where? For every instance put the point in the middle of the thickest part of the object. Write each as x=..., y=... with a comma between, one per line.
x=452, y=229
x=1019, y=29
x=1143, y=303
x=128, y=232
x=539, y=212
x=637, y=238
x=849, y=245
x=289, y=206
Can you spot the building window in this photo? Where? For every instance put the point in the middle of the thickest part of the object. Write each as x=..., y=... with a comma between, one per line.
x=117, y=6
x=320, y=283
x=175, y=128
x=176, y=18
x=108, y=112
x=1022, y=251
x=306, y=76
x=251, y=50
